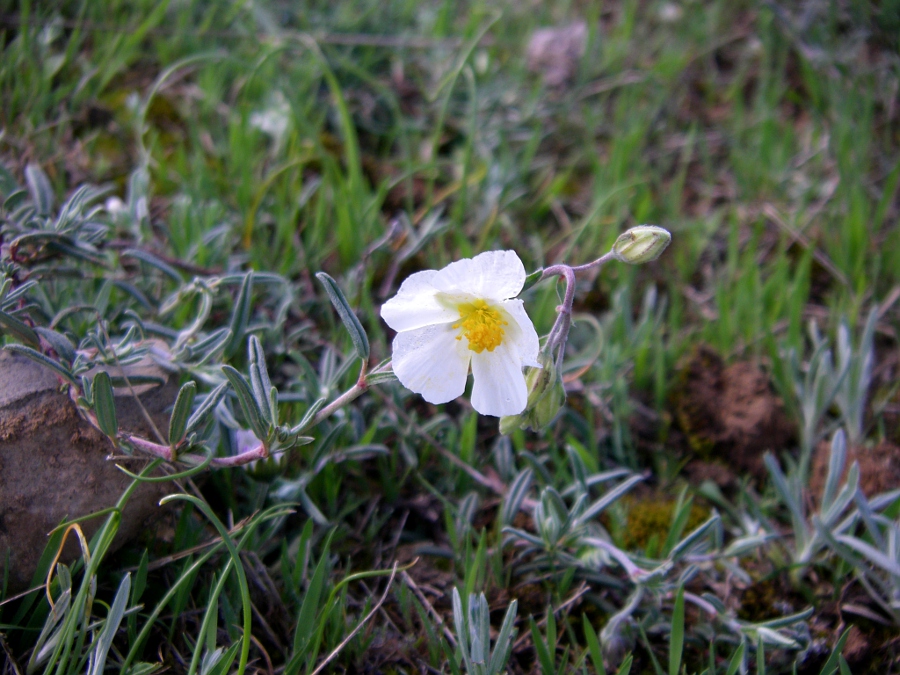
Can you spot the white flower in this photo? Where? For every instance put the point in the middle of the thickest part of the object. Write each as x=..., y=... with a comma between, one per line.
x=462, y=314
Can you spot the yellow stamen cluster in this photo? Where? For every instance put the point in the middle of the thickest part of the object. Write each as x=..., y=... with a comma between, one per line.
x=481, y=324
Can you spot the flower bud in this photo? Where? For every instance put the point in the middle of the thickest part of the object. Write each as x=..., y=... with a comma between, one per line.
x=641, y=244
x=546, y=396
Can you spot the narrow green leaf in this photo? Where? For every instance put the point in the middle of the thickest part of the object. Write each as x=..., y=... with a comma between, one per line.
x=543, y=652
x=760, y=656
x=845, y=667
x=155, y=262
x=515, y=495
x=679, y=521
x=380, y=378
x=780, y=482
x=736, y=659
x=8, y=183
x=476, y=569
x=787, y=620
x=14, y=200
x=134, y=380
x=245, y=397
x=462, y=630
x=206, y=408
x=240, y=316
x=58, y=342
x=100, y=648
x=19, y=329
x=210, y=346
x=181, y=412
x=306, y=620
x=225, y=660
x=685, y=545
x=351, y=323
x=50, y=632
x=610, y=497
x=309, y=416
x=259, y=381
x=625, y=668
x=40, y=189
x=235, y=563
x=105, y=404
x=503, y=645
x=676, y=638
x=212, y=609
x=551, y=629
x=479, y=629
x=140, y=579
x=451, y=657
x=19, y=292
x=593, y=644
x=876, y=557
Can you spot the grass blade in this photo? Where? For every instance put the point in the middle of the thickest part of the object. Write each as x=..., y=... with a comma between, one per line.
x=97, y=661
x=676, y=638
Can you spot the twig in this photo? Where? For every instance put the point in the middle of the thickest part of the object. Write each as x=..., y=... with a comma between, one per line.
x=144, y=413
x=411, y=585
x=10, y=659
x=269, y=668
x=359, y=626
x=771, y=212
x=351, y=394
x=162, y=562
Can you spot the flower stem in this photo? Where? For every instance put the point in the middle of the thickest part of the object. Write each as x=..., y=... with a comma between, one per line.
x=260, y=451
x=351, y=394
x=559, y=334
x=151, y=448
x=354, y=392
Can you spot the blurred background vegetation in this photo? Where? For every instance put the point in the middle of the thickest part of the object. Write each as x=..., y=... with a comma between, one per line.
x=372, y=140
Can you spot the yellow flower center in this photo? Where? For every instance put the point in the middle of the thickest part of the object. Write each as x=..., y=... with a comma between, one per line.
x=481, y=324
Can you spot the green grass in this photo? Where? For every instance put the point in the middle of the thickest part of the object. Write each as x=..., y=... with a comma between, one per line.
x=372, y=140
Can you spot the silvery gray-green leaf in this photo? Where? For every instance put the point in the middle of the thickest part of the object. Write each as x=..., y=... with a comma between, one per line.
x=351, y=323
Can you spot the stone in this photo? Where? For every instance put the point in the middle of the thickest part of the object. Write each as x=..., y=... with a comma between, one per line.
x=54, y=464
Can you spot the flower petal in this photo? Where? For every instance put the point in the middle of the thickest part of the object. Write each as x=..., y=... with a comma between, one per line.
x=416, y=304
x=432, y=362
x=522, y=336
x=499, y=388
x=494, y=275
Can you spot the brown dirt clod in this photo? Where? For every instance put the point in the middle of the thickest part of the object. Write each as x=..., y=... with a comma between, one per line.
x=879, y=467
x=54, y=465
x=730, y=414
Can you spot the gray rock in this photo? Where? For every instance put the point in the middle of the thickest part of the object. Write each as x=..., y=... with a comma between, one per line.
x=54, y=467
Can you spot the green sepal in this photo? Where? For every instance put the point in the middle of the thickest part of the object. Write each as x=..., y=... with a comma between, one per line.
x=532, y=279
